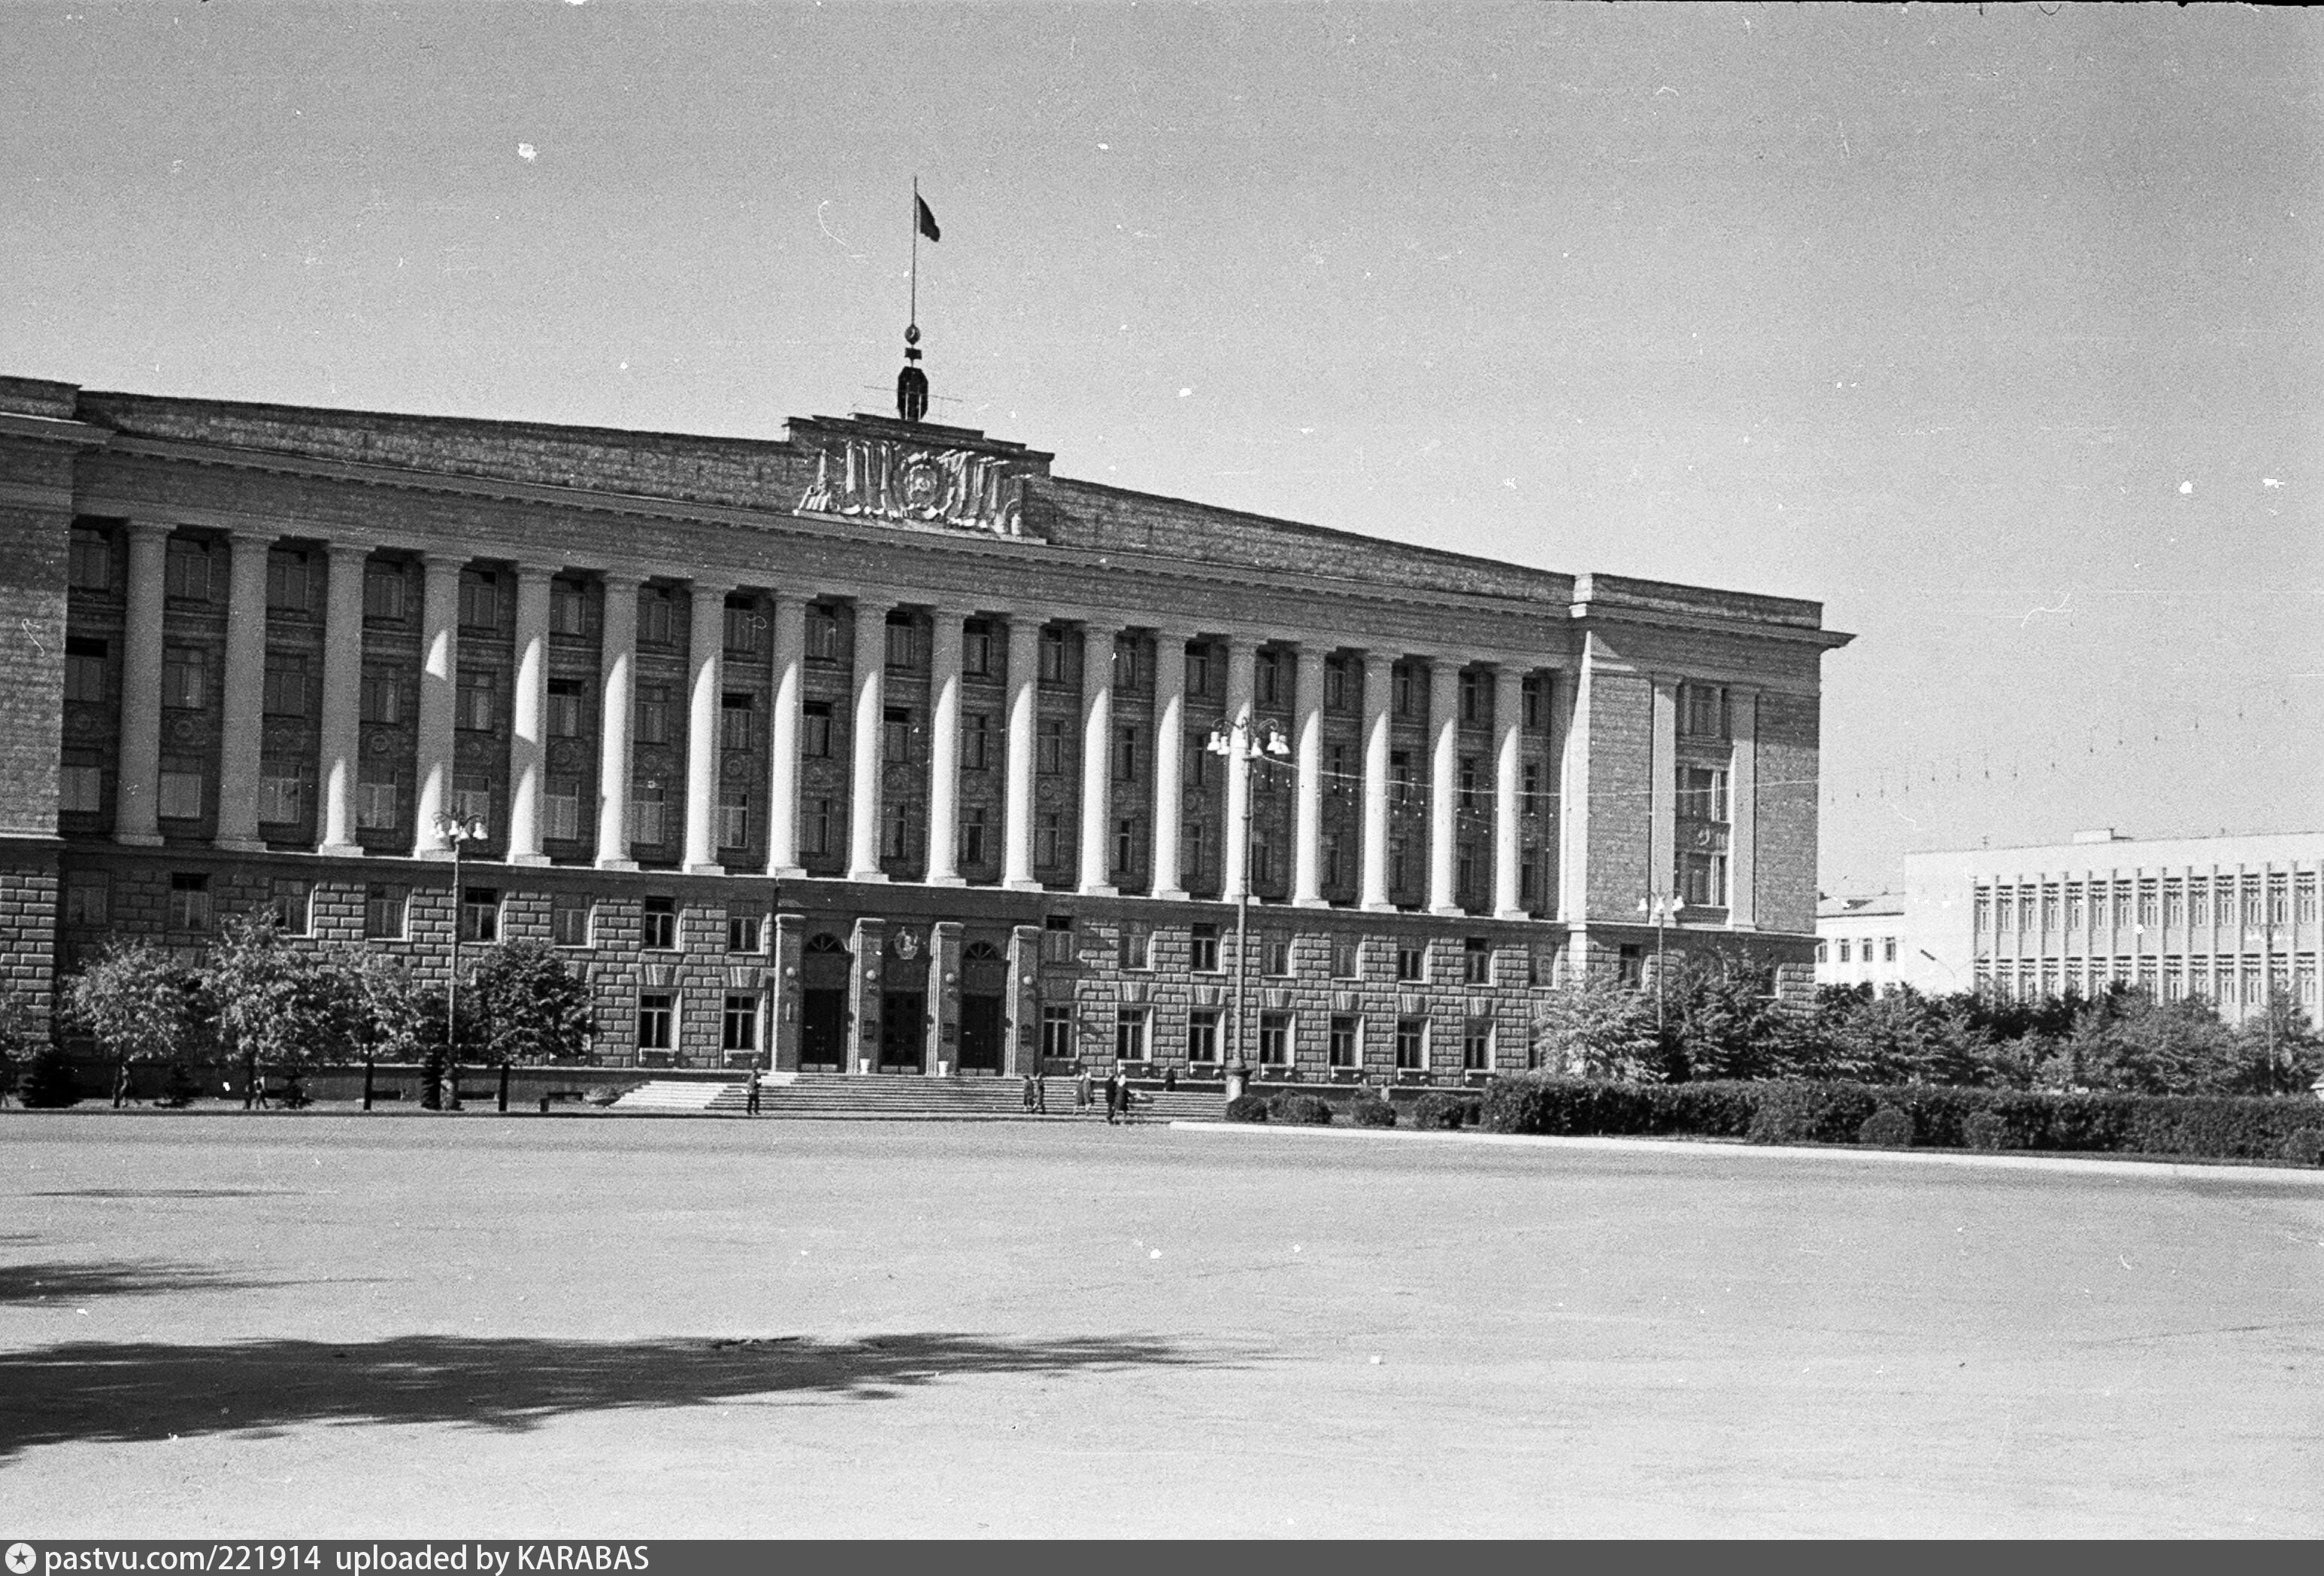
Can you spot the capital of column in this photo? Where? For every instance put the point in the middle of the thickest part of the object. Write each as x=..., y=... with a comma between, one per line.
x=150, y=529
x=343, y=551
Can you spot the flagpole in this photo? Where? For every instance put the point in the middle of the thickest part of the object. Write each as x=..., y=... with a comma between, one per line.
x=916, y=249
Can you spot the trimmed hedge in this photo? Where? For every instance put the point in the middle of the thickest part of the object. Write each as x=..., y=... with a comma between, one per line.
x=1371, y=1110
x=1886, y=1128
x=1792, y=1111
x=1248, y=1107
x=1439, y=1112
x=1306, y=1110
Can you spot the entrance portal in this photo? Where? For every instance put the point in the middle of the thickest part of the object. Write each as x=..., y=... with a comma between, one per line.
x=903, y=1024
x=822, y=1030
x=981, y=1041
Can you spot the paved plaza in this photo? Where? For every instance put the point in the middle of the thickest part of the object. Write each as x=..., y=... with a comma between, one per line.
x=413, y=1326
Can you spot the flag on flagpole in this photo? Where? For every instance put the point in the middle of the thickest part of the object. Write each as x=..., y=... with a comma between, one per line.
x=927, y=220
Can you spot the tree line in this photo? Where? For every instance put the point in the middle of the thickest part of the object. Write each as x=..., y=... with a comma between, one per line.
x=265, y=1011
x=1719, y=1019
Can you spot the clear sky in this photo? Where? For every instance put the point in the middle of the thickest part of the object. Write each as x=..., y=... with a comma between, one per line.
x=1995, y=331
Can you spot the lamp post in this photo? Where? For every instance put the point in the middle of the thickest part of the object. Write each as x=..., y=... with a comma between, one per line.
x=1662, y=909
x=1245, y=746
x=458, y=830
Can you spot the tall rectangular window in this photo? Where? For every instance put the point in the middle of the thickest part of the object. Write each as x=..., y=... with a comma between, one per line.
x=1193, y=853
x=1476, y=961
x=472, y=799
x=568, y=919
x=1137, y=945
x=814, y=730
x=733, y=817
x=896, y=735
x=568, y=607
x=1128, y=673
x=291, y=580
x=477, y=708
x=972, y=837
x=1274, y=953
x=1203, y=1035
x=1049, y=749
x=86, y=892
x=187, y=572
x=480, y=599
x=292, y=903
x=653, y=713
x=385, y=587
x=378, y=801
x=657, y=617
x=88, y=675
x=975, y=742
x=815, y=826
x=1536, y=699
x=896, y=834
x=1202, y=949
x=743, y=932
x=383, y=695
x=185, y=677
x=1048, y=841
x=1346, y=1047
x=1275, y=1039
x=1125, y=754
x=1268, y=685
x=646, y=812
x=183, y=789
x=89, y=560
x=1411, y=960
x=1053, y=662
x=1702, y=712
x=746, y=631
x=657, y=1012
x=1411, y=1045
x=1335, y=684
x=903, y=642
x=659, y=929
x=822, y=633
x=1473, y=693
x=80, y=789
x=1198, y=669
x=1476, y=1044
x=480, y=914
x=190, y=901
x=568, y=708
x=1129, y=1033
x=281, y=793
x=1058, y=1034
x=285, y=687
x=737, y=723
x=1129, y=847
x=1702, y=793
x=1403, y=692
x=384, y=906
x=1347, y=957
x=738, y=1033
x=976, y=651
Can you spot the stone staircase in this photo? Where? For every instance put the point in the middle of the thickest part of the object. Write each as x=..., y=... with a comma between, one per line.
x=691, y=1097
x=899, y=1098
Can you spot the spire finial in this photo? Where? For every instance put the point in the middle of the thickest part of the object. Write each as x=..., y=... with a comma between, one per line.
x=912, y=384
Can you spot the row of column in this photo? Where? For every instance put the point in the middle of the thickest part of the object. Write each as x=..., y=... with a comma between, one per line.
x=244, y=682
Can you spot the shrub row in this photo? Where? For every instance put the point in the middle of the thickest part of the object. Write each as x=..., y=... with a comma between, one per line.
x=1791, y=1111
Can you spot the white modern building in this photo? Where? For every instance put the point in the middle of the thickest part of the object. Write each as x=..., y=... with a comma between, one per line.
x=2225, y=919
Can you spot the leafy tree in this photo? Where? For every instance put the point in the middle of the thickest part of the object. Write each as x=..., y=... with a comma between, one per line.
x=49, y=1084
x=141, y=1003
x=1723, y=1018
x=2277, y=1052
x=2127, y=1041
x=528, y=1005
x=1599, y=1027
x=280, y=1009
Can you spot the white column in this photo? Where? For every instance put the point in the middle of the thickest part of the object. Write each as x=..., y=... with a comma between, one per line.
x=135, y=819
x=342, y=730
x=529, y=715
x=1097, y=757
x=1661, y=791
x=706, y=681
x=871, y=680
x=1573, y=774
x=439, y=623
x=1743, y=814
x=1169, y=759
x=1508, y=737
x=243, y=693
x=944, y=747
x=1379, y=692
x=1307, y=847
x=1242, y=683
x=783, y=738
x=1445, y=724
x=1024, y=718
x=617, y=663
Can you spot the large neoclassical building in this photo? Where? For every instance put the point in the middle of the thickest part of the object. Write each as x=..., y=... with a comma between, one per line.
x=878, y=748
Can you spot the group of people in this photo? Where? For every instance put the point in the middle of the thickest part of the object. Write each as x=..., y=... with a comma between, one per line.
x=1118, y=1096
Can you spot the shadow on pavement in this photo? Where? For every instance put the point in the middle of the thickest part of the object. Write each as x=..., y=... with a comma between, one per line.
x=72, y=1282
x=138, y=1391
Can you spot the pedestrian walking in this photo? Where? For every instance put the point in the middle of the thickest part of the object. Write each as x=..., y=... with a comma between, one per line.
x=1083, y=1091
x=1029, y=1093
x=1113, y=1097
x=1170, y=1079
x=1041, y=1092
x=750, y=1094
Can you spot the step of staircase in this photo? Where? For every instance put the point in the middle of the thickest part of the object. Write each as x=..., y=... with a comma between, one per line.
x=959, y=1098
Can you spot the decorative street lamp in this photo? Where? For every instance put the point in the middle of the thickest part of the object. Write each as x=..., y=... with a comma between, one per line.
x=458, y=830
x=1664, y=908
x=1244, y=747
